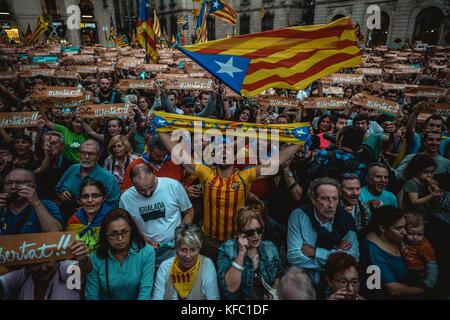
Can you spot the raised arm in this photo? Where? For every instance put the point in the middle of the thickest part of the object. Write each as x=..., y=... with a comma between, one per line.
x=174, y=149
x=270, y=167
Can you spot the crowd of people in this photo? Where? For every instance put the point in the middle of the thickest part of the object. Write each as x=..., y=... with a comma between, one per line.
x=360, y=212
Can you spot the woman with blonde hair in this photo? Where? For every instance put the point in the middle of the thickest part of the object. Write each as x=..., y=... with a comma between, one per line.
x=121, y=156
x=248, y=266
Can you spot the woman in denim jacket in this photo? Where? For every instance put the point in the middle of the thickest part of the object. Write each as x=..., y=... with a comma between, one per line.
x=247, y=266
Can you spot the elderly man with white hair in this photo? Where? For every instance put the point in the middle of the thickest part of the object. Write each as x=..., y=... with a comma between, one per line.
x=317, y=229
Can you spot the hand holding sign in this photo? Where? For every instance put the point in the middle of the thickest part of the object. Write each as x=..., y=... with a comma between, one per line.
x=80, y=250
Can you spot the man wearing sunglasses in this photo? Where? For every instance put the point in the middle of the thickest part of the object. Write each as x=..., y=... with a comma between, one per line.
x=21, y=210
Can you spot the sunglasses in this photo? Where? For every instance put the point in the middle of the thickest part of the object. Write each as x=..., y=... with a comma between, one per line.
x=251, y=232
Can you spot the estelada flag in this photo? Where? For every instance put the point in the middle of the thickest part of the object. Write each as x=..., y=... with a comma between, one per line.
x=40, y=28
x=289, y=58
x=223, y=10
x=145, y=33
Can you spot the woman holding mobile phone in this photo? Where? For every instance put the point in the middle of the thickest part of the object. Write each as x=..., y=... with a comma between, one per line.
x=247, y=266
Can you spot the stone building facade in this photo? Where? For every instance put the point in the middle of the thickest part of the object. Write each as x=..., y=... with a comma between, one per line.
x=401, y=20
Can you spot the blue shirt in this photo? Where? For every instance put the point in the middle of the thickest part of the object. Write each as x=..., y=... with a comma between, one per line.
x=269, y=264
x=387, y=197
x=323, y=157
x=301, y=231
x=71, y=181
x=392, y=268
x=9, y=221
x=133, y=280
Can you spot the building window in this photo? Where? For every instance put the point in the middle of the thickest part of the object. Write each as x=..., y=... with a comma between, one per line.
x=50, y=7
x=161, y=4
x=244, y=24
x=245, y=2
x=172, y=3
x=267, y=22
x=173, y=27
x=379, y=36
x=211, y=26
x=336, y=17
x=428, y=25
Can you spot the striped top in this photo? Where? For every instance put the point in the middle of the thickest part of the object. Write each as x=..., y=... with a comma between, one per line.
x=222, y=199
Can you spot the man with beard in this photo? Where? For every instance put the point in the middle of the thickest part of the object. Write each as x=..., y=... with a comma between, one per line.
x=225, y=188
x=158, y=206
x=351, y=190
x=106, y=94
x=317, y=229
x=68, y=187
x=375, y=193
x=6, y=159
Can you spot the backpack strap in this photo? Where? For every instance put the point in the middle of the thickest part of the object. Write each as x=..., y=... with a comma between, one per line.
x=23, y=220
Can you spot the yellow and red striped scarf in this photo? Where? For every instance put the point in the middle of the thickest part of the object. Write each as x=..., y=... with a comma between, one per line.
x=183, y=281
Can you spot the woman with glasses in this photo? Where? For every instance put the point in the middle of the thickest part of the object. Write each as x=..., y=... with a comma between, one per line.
x=341, y=272
x=247, y=266
x=87, y=220
x=188, y=275
x=123, y=263
x=121, y=156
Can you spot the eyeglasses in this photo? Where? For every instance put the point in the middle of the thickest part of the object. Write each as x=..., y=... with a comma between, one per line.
x=344, y=282
x=251, y=232
x=90, y=154
x=17, y=182
x=115, y=235
x=93, y=196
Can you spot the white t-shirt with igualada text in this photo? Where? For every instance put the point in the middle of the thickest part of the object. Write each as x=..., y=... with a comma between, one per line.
x=157, y=216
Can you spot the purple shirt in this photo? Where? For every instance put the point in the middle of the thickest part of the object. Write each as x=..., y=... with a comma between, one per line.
x=21, y=281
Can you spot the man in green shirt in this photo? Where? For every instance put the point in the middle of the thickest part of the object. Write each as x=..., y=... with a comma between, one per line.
x=73, y=137
x=377, y=141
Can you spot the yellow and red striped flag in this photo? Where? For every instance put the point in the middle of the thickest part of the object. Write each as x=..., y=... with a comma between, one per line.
x=40, y=28
x=156, y=25
x=145, y=33
x=201, y=25
x=289, y=58
x=223, y=10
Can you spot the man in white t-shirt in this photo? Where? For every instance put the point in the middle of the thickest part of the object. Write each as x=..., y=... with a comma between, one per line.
x=158, y=206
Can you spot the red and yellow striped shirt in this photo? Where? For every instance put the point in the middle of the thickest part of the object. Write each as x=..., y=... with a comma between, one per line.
x=222, y=198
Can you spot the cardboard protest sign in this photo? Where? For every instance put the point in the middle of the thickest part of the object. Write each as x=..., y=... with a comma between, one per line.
x=171, y=75
x=344, y=78
x=69, y=103
x=52, y=93
x=389, y=107
x=67, y=75
x=21, y=249
x=136, y=84
x=369, y=71
x=427, y=91
x=84, y=69
x=276, y=101
x=324, y=103
x=333, y=90
x=189, y=84
x=19, y=119
x=38, y=72
x=152, y=67
x=8, y=75
x=200, y=75
x=105, y=68
x=105, y=110
x=441, y=109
